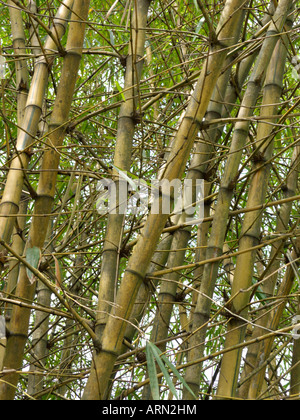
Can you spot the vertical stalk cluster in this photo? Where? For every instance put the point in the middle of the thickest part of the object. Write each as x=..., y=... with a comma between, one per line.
x=127, y=120
x=139, y=261
x=217, y=236
x=46, y=187
x=252, y=221
x=201, y=99
x=26, y=137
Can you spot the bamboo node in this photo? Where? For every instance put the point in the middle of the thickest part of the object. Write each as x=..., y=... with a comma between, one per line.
x=258, y=157
x=125, y=252
x=22, y=86
x=29, y=152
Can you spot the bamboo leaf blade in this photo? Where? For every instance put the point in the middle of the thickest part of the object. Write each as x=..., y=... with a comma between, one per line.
x=152, y=372
x=33, y=256
x=157, y=355
x=162, y=357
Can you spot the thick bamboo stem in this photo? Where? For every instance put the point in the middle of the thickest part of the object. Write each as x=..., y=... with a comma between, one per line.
x=295, y=372
x=22, y=76
x=159, y=260
x=265, y=349
x=40, y=335
x=271, y=273
x=22, y=83
x=167, y=295
x=18, y=244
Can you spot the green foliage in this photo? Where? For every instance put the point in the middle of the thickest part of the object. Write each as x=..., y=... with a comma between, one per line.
x=154, y=355
x=33, y=257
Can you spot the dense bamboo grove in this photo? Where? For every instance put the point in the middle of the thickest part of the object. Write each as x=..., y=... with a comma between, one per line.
x=102, y=93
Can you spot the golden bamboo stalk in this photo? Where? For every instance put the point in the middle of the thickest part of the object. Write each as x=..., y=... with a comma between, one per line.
x=22, y=76
x=144, y=249
x=270, y=274
x=265, y=349
x=18, y=246
x=252, y=221
x=22, y=83
x=35, y=44
x=40, y=333
x=167, y=295
x=216, y=240
x=45, y=190
x=295, y=372
x=147, y=288
x=14, y=183
x=127, y=120
x=3, y=341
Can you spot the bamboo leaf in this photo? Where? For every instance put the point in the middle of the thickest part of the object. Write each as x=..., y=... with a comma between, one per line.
x=196, y=4
x=2, y=327
x=177, y=374
x=33, y=256
x=199, y=26
x=111, y=37
x=124, y=175
x=2, y=67
x=119, y=87
x=152, y=373
x=259, y=293
x=156, y=352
